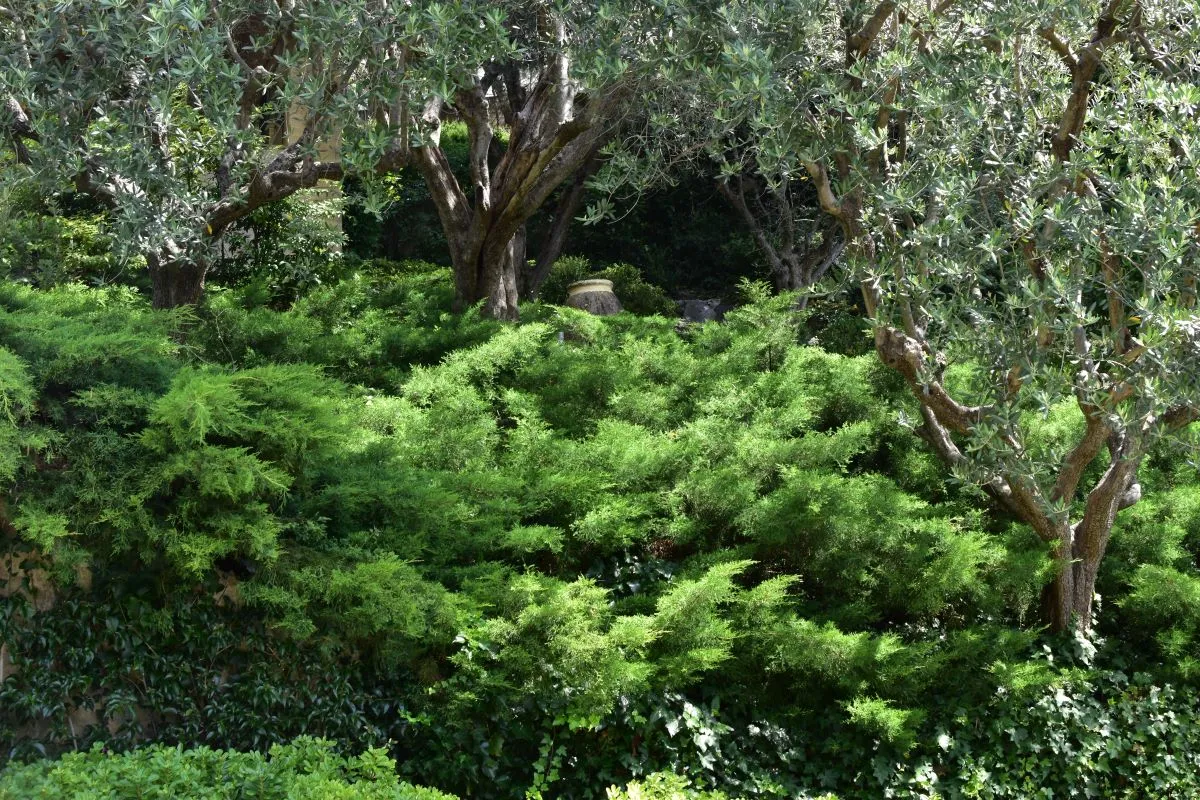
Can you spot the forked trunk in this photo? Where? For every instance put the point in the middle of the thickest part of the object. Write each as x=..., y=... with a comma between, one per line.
x=1058, y=596
x=490, y=273
x=175, y=282
x=1067, y=599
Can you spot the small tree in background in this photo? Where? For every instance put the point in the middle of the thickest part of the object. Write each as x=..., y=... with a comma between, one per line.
x=581, y=74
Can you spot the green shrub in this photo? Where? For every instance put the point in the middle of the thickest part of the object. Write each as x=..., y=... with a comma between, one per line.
x=661, y=786
x=307, y=769
x=47, y=246
x=369, y=328
x=535, y=562
x=283, y=250
x=668, y=786
x=1105, y=736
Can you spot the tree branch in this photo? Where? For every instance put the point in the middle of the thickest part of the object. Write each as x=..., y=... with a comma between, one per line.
x=473, y=107
x=1084, y=453
x=825, y=196
x=860, y=42
x=564, y=215
x=738, y=200
x=1114, y=491
x=1059, y=46
x=1180, y=417
x=907, y=356
x=18, y=128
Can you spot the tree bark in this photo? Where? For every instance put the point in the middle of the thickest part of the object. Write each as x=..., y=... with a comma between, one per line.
x=487, y=236
x=175, y=281
x=499, y=269
x=795, y=263
x=1058, y=596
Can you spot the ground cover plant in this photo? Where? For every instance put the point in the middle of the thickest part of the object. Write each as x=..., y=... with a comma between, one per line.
x=530, y=561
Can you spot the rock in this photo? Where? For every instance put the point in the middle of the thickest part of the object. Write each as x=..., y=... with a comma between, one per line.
x=708, y=310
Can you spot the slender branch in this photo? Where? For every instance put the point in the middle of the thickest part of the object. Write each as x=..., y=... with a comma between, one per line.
x=473, y=107
x=1059, y=46
x=738, y=200
x=787, y=224
x=1180, y=417
x=828, y=200
x=906, y=355
x=1083, y=73
x=1106, y=23
x=18, y=128
x=1084, y=453
x=230, y=44
x=564, y=216
x=860, y=42
x=834, y=252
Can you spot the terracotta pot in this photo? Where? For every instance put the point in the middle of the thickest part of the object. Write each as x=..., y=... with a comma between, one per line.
x=590, y=285
x=594, y=296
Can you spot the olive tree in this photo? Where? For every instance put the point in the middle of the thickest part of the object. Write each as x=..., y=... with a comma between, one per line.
x=583, y=74
x=1016, y=187
x=184, y=116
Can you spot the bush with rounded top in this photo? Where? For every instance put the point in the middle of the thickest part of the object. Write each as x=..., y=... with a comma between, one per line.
x=307, y=769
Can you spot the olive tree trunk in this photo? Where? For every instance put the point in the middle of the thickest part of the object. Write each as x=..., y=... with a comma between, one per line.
x=175, y=281
x=798, y=255
x=552, y=135
x=1071, y=511
x=560, y=227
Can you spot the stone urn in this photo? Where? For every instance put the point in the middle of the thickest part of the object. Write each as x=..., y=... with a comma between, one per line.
x=594, y=296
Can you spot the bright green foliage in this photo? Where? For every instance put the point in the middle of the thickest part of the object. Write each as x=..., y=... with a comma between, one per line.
x=366, y=329
x=564, y=641
x=16, y=400
x=547, y=558
x=543, y=562
x=1168, y=600
x=226, y=447
x=739, y=505
x=285, y=249
x=660, y=786
x=1152, y=565
x=1015, y=188
x=723, y=492
x=307, y=769
x=47, y=250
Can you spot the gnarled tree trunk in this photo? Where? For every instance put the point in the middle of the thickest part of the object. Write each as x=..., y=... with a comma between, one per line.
x=552, y=135
x=175, y=281
x=496, y=273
